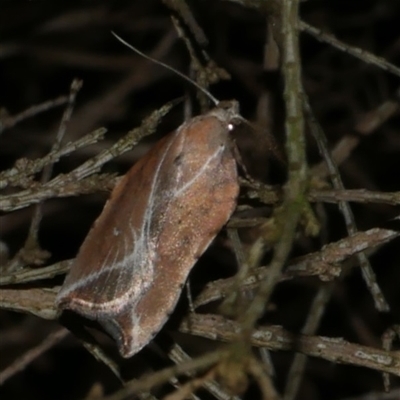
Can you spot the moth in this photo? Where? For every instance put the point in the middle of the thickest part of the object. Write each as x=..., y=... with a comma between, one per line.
x=160, y=218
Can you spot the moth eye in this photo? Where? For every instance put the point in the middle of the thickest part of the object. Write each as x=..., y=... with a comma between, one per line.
x=230, y=127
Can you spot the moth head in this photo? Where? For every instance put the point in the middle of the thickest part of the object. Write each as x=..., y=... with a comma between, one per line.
x=227, y=112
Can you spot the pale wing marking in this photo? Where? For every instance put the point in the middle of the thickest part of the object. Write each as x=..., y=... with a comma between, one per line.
x=200, y=172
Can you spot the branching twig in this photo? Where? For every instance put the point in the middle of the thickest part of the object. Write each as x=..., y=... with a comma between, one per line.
x=366, y=269
x=335, y=350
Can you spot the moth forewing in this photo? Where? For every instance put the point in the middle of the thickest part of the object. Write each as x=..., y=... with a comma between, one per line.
x=160, y=218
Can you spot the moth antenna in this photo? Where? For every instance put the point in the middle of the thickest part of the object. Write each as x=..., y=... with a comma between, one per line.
x=207, y=93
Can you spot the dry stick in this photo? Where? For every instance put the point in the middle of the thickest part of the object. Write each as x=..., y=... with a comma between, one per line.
x=36, y=274
x=12, y=120
x=186, y=14
x=202, y=74
x=40, y=302
x=264, y=380
x=324, y=263
x=323, y=296
x=361, y=54
x=160, y=377
x=295, y=147
x=266, y=102
x=367, y=124
x=123, y=145
x=354, y=195
x=297, y=368
x=187, y=390
x=22, y=362
x=271, y=196
x=65, y=188
x=294, y=201
x=366, y=269
x=32, y=240
x=233, y=303
x=235, y=298
x=32, y=243
x=25, y=168
x=387, y=343
x=178, y=355
x=322, y=36
x=35, y=301
x=336, y=350
x=98, y=353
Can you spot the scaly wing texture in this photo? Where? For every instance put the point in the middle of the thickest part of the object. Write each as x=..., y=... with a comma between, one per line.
x=160, y=218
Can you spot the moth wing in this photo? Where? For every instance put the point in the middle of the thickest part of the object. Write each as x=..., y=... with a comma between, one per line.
x=160, y=218
x=118, y=249
x=194, y=200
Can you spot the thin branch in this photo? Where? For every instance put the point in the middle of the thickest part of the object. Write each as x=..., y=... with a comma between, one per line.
x=157, y=378
x=324, y=263
x=24, y=168
x=361, y=54
x=36, y=274
x=123, y=145
x=22, y=362
x=12, y=120
x=366, y=268
x=295, y=146
x=178, y=355
x=335, y=350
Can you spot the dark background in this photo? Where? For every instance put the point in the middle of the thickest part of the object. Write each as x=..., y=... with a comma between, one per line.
x=45, y=44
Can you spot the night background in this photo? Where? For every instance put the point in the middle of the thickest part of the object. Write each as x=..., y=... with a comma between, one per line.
x=45, y=45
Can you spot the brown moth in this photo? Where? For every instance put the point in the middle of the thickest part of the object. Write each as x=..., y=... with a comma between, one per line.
x=160, y=218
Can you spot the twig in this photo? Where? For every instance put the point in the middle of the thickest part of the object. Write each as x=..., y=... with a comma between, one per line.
x=32, y=242
x=36, y=274
x=22, y=362
x=39, y=302
x=177, y=355
x=387, y=343
x=272, y=196
x=123, y=145
x=98, y=353
x=295, y=146
x=361, y=54
x=315, y=314
x=354, y=195
x=25, y=168
x=65, y=188
x=31, y=251
x=366, y=269
x=276, y=338
x=12, y=120
x=324, y=263
x=159, y=377
x=264, y=380
x=366, y=125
